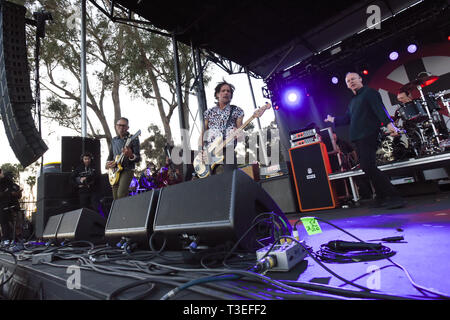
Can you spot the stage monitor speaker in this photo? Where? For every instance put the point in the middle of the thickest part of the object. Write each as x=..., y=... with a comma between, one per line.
x=310, y=168
x=51, y=227
x=16, y=100
x=213, y=211
x=72, y=148
x=46, y=208
x=282, y=191
x=132, y=218
x=81, y=224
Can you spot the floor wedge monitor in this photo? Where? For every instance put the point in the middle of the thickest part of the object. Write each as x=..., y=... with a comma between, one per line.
x=131, y=219
x=206, y=213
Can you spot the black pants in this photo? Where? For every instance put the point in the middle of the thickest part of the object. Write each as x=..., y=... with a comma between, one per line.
x=6, y=220
x=366, y=149
x=89, y=200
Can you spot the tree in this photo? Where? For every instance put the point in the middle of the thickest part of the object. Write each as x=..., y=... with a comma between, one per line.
x=154, y=146
x=118, y=55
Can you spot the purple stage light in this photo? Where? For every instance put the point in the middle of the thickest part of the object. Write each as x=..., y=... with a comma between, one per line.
x=292, y=97
x=393, y=56
x=412, y=48
x=335, y=80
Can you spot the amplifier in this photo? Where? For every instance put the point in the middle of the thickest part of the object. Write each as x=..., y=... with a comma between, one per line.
x=310, y=168
x=304, y=142
x=303, y=134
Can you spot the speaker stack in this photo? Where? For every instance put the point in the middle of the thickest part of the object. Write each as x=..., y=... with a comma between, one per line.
x=310, y=168
x=72, y=148
x=55, y=195
x=16, y=100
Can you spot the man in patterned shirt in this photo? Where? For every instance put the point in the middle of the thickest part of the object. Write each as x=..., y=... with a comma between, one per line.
x=222, y=120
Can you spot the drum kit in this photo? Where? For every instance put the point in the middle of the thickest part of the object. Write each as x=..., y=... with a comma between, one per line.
x=423, y=131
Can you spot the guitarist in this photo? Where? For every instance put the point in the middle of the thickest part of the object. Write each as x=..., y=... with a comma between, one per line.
x=131, y=157
x=221, y=120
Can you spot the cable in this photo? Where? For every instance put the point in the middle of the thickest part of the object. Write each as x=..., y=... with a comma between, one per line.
x=12, y=272
x=415, y=285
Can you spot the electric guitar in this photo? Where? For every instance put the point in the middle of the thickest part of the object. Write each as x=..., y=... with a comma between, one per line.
x=114, y=173
x=214, y=151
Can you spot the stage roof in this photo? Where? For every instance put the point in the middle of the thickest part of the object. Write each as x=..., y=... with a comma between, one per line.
x=265, y=36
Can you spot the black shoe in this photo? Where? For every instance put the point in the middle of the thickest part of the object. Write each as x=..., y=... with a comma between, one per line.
x=394, y=203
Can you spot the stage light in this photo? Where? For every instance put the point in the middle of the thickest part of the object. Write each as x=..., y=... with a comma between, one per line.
x=277, y=107
x=393, y=55
x=292, y=97
x=365, y=72
x=412, y=48
x=335, y=80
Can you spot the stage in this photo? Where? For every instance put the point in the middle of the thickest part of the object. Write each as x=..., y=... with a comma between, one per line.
x=424, y=223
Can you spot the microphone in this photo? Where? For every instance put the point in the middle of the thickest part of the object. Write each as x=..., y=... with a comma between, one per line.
x=340, y=245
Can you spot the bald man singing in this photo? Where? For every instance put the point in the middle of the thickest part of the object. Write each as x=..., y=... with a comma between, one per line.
x=366, y=114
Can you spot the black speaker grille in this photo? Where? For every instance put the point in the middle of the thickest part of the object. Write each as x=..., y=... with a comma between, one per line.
x=52, y=226
x=194, y=202
x=132, y=213
x=16, y=99
x=308, y=166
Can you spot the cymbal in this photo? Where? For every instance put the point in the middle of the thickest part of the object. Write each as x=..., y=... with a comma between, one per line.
x=423, y=82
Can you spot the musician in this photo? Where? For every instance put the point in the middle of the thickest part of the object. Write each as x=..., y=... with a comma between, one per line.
x=10, y=194
x=221, y=120
x=131, y=158
x=366, y=113
x=85, y=179
x=404, y=96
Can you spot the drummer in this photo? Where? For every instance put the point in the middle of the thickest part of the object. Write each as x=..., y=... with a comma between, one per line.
x=404, y=96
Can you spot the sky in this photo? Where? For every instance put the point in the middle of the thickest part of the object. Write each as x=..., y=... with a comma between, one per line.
x=141, y=114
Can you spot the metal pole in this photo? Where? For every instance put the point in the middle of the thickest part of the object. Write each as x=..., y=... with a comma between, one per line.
x=83, y=72
x=262, y=141
x=183, y=127
x=200, y=87
x=37, y=91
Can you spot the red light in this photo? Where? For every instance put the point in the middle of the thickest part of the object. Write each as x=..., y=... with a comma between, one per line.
x=365, y=72
x=277, y=107
x=429, y=82
x=448, y=38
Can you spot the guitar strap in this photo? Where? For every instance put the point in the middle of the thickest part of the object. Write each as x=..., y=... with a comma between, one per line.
x=228, y=121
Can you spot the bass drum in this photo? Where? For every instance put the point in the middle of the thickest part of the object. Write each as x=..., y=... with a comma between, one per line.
x=392, y=149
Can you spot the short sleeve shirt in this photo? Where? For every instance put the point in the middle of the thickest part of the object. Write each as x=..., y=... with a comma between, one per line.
x=217, y=121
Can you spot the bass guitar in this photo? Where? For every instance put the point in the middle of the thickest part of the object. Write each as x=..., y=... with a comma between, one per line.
x=114, y=173
x=214, y=151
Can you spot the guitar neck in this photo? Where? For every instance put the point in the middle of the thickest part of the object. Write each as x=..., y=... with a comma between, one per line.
x=231, y=137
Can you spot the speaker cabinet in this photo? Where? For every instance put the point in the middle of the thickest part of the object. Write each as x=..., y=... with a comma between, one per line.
x=81, y=224
x=310, y=168
x=212, y=211
x=282, y=191
x=55, y=195
x=46, y=208
x=72, y=148
x=16, y=100
x=132, y=218
x=51, y=228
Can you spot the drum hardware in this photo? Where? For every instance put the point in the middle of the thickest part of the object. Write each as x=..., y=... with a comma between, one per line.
x=425, y=105
x=445, y=101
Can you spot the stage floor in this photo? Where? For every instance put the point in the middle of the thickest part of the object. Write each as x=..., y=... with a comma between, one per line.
x=424, y=223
